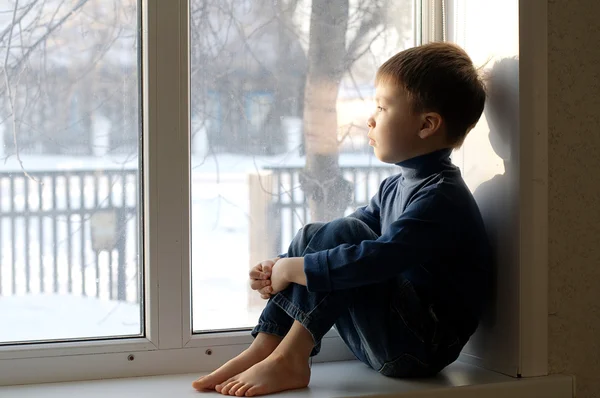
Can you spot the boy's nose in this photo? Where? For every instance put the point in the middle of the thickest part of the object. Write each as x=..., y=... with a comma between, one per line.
x=370, y=122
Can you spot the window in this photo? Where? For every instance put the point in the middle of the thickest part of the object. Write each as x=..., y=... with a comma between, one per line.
x=70, y=259
x=161, y=151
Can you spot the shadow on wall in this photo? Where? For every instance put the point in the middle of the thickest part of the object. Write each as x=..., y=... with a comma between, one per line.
x=498, y=197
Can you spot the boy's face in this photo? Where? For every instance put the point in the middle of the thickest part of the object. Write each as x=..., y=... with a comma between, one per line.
x=394, y=126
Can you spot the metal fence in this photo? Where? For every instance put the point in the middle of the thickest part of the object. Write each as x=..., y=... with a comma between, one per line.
x=70, y=232
x=290, y=210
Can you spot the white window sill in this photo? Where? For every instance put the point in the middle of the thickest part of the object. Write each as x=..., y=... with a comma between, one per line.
x=333, y=379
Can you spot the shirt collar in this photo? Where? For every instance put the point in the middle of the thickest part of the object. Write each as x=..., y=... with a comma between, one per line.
x=426, y=165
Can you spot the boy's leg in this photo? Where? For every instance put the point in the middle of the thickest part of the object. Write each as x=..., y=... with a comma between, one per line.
x=262, y=346
x=285, y=369
x=309, y=315
x=386, y=325
x=274, y=322
x=395, y=332
x=296, y=302
x=388, y=341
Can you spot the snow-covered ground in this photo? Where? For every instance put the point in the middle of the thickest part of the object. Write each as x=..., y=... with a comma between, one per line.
x=56, y=317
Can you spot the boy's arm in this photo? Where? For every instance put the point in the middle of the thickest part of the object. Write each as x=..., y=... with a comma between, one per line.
x=428, y=224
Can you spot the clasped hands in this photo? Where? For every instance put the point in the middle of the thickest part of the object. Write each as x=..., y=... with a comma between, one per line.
x=270, y=277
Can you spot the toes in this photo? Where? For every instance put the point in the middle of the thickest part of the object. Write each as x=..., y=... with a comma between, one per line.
x=220, y=387
x=201, y=383
x=224, y=389
x=242, y=390
x=235, y=387
x=252, y=391
x=227, y=386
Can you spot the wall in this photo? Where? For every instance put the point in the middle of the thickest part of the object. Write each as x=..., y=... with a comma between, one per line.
x=574, y=191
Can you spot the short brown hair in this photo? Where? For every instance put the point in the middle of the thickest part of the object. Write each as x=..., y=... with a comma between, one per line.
x=439, y=77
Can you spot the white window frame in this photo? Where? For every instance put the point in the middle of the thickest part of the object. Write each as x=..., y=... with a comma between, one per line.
x=170, y=346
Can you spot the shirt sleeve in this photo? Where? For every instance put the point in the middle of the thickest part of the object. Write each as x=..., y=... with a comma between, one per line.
x=425, y=229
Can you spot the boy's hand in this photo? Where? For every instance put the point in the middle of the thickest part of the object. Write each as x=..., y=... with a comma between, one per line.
x=260, y=277
x=285, y=271
x=272, y=276
x=279, y=275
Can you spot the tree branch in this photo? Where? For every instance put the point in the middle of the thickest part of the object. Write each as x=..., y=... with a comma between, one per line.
x=367, y=25
x=10, y=97
x=50, y=30
x=16, y=20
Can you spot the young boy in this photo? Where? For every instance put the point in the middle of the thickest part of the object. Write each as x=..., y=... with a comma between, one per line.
x=403, y=278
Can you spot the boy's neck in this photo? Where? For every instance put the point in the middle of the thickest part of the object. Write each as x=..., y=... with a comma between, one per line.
x=425, y=164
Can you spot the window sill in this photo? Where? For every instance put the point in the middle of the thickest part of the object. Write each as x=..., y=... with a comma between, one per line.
x=333, y=379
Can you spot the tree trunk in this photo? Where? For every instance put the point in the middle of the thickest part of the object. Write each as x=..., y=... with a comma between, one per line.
x=327, y=192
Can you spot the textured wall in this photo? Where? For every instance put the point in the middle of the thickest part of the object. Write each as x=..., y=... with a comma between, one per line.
x=574, y=191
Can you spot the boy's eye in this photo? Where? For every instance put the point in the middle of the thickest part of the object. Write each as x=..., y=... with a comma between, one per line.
x=379, y=109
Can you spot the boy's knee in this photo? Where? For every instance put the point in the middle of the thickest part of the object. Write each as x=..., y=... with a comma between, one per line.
x=321, y=236
x=351, y=230
x=349, y=223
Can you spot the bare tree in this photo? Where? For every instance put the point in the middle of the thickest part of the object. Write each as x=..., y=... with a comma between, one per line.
x=330, y=56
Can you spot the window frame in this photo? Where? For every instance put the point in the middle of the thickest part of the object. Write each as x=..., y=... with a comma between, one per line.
x=170, y=346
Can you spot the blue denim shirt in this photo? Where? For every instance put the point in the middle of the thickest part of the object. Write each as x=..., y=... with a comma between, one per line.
x=430, y=232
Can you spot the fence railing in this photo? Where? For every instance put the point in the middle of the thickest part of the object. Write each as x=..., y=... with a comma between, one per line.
x=71, y=232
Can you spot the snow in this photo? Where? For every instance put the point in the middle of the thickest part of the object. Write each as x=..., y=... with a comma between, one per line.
x=54, y=317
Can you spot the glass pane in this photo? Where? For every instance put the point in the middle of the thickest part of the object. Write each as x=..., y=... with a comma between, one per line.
x=70, y=199
x=280, y=95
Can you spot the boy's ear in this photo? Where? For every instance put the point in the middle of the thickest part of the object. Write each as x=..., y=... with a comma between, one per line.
x=431, y=124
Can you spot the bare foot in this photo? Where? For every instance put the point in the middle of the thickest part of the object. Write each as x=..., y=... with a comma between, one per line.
x=274, y=374
x=261, y=348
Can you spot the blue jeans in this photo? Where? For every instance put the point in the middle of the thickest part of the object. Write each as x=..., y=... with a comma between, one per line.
x=386, y=325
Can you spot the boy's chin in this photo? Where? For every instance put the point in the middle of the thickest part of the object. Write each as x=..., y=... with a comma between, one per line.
x=381, y=158
x=385, y=157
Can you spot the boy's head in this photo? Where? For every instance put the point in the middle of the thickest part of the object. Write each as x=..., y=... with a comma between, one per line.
x=428, y=97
